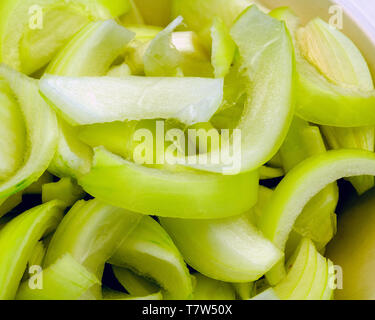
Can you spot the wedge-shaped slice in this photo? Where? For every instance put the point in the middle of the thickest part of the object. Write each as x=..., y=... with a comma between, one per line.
x=301, y=184
x=64, y=280
x=41, y=128
x=321, y=100
x=336, y=57
x=89, y=100
x=12, y=133
x=19, y=237
x=180, y=194
x=91, y=232
x=150, y=252
x=161, y=57
x=90, y=53
x=269, y=78
x=307, y=278
x=31, y=32
x=230, y=250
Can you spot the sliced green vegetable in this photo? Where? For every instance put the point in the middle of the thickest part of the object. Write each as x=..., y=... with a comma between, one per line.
x=91, y=233
x=9, y=204
x=41, y=128
x=161, y=57
x=64, y=280
x=38, y=254
x=230, y=250
x=337, y=58
x=17, y=240
x=317, y=221
x=270, y=173
x=133, y=16
x=321, y=101
x=90, y=53
x=269, y=64
x=12, y=131
x=181, y=194
x=36, y=187
x=121, y=70
x=307, y=278
x=150, y=252
x=223, y=48
x=89, y=100
x=31, y=32
x=301, y=184
x=244, y=291
x=155, y=12
x=210, y=289
x=65, y=190
x=136, y=285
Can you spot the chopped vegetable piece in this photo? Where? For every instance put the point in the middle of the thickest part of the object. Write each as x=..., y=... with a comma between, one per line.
x=10, y=203
x=301, y=184
x=269, y=64
x=268, y=294
x=41, y=128
x=308, y=276
x=180, y=194
x=17, y=240
x=64, y=280
x=161, y=57
x=244, y=291
x=32, y=31
x=223, y=48
x=65, y=190
x=212, y=247
x=150, y=252
x=89, y=100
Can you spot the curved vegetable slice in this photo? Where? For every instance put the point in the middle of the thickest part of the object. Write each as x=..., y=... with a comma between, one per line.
x=8, y=204
x=320, y=100
x=181, y=194
x=90, y=53
x=89, y=100
x=317, y=221
x=31, y=32
x=91, y=233
x=230, y=250
x=41, y=127
x=17, y=240
x=210, y=289
x=223, y=48
x=65, y=190
x=64, y=280
x=12, y=132
x=340, y=61
x=150, y=252
x=136, y=285
x=307, y=278
x=304, y=182
x=269, y=64
x=161, y=57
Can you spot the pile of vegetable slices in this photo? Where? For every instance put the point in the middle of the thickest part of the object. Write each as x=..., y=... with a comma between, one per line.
x=82, y=83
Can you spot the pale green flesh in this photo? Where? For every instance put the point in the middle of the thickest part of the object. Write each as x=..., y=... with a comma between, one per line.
x=65, y=280
x=181, y=194
x=41, y=129
x=150, y=252
x=229, y=250
x=90, y=100
x=19, y=237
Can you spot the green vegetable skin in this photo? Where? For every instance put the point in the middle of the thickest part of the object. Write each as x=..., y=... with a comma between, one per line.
x=19, y=237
